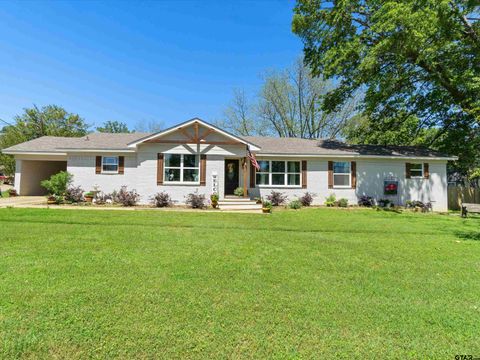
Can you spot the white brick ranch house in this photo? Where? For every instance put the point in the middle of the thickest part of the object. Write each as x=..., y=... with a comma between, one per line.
x=197, y=156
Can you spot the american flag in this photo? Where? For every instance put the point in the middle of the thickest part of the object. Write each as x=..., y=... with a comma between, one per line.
x=252, y=159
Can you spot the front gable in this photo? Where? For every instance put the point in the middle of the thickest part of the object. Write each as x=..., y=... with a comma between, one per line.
x=195, y=131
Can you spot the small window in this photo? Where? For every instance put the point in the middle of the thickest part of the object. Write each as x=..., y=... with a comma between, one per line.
x=416, y=170
x=278, y=173
x=341, y=175
x=182, y=168
x=110, y=164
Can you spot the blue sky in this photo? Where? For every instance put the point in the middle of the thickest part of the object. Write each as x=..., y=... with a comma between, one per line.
x=139, y=61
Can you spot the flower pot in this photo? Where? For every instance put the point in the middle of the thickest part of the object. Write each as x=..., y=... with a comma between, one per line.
x=214, y=204
x=12, y=192
x=266, y=210
x=88, y=199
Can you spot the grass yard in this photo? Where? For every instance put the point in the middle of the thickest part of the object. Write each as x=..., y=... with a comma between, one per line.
x=297, y=284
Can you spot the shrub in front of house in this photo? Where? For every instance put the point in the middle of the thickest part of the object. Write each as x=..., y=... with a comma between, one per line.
x=342, y=203
x=74, y=194
x=127, y=197
x=238, y=191
x=196, y=201
x=306, y=199
x=161, y=199
x=366, y=201
x=58, y=183
x=277, y=198
x=295, y=204
x=330, y=200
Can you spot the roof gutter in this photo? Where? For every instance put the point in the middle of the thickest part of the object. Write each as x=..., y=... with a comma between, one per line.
x=359, y=156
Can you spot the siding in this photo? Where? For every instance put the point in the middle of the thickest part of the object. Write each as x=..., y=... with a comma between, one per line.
x=141, y=169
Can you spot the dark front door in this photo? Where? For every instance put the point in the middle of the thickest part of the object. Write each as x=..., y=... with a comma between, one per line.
x=231, y=176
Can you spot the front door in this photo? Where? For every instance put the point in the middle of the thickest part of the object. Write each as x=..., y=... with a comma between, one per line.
x=231, y=176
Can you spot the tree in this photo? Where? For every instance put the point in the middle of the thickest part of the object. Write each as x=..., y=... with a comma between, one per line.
x=50, y=120
x=113, y=127
x=288, y=105
x=147, y=126
x=415, y=59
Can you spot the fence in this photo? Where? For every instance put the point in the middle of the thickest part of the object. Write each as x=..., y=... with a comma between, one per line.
x=458, y=194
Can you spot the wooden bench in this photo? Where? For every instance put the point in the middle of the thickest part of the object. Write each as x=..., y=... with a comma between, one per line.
x=473, y=208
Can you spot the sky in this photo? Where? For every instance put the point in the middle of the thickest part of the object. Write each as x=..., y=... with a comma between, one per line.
x=134, y=62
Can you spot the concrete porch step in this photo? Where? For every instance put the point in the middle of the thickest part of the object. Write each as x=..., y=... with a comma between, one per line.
x=236, y=199
x=237, y=203
x=253, y=207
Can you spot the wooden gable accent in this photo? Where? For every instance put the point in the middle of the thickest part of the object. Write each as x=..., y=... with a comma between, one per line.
x=192, y=134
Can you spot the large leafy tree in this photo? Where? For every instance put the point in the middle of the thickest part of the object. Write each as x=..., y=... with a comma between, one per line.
x=113, y=127
x=416, y=59
x=36, y=122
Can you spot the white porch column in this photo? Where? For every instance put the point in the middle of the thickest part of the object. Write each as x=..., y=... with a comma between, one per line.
x=18, y=174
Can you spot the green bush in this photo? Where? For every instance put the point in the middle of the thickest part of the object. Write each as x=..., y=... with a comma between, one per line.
x=58, y=183
x=342, y=203
x=295, y=204
x=238, y=191
x=330, y=200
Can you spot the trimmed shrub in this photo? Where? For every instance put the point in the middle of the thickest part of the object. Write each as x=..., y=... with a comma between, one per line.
x=238, y=191
x=277, y=198
x=366, y=201
x=330, y=200
x=196, y=201
x=161, y=199
x=342, y=203
x=58, y=183
x=126, y=197
x=306, y=199
x=74, y=194
x=295, y=204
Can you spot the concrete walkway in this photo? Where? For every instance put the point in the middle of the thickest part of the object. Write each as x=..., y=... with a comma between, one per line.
x=22, y=201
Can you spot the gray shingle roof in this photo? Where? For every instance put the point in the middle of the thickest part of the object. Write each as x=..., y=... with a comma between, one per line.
x=92, y=141
x=271, y=145
x=268, y=145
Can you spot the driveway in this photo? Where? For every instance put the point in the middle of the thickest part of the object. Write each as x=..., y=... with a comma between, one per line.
x=22, y=201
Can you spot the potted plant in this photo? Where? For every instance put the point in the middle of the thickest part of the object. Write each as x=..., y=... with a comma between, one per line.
x=214, y=200
x=89, y=196
x=12, y=192
x=267, y=207
x=258, y=200
x=51, y=200
x=238, y=192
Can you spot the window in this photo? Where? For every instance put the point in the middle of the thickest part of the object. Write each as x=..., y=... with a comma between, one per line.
x=181, y=168
x=416, y=170
x=110, y=164
x=278, y=173
x=341, y=174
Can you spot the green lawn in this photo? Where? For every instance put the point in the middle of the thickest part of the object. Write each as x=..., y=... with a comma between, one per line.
x=295, y=284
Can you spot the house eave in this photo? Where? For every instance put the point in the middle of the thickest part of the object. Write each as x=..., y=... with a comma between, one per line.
x=30, y=152
x=359, y=156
